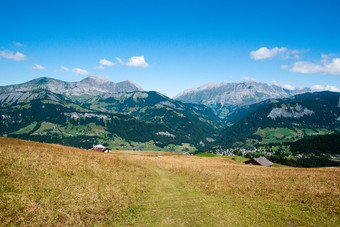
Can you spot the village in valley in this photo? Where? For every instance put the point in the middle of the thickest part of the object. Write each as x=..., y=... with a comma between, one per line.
x=279, y=153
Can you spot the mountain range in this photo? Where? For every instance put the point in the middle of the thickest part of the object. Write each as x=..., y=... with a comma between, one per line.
x=225, y=97
x=122, y=115
x=184, y=126
x=92, y=85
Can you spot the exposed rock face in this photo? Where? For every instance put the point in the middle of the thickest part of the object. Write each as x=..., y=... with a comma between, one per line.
x=292, y=112
x=89, y=115
x=18, y=97
x=244, y=93
x=167, y=134
x=92, y=85
x=210, y=139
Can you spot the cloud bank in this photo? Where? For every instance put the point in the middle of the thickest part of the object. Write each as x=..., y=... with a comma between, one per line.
x=325, y=66
x=12, y=56
x=325, y=88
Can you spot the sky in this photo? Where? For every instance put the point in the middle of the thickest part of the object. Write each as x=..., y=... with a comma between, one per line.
x=170, y=46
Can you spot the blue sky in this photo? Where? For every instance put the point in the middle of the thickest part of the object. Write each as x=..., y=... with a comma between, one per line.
x=170, y=46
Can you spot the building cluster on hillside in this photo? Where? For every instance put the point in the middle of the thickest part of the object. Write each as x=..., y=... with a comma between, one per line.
x=250, y=149
x=240, y=151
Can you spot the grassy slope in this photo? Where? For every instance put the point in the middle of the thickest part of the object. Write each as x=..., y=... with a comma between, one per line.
x=253, y=195
x=44, y=184
x=235, y=158
x=56, y=185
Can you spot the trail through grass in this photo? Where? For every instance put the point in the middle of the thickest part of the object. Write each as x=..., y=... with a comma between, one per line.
x=195, y=191
x=173, y=203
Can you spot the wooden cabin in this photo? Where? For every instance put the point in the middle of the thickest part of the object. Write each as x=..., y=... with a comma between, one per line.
x=100, y=148
x=261, y=161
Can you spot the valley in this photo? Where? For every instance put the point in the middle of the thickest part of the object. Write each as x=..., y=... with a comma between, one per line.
x=170, y=113
x=123, y=116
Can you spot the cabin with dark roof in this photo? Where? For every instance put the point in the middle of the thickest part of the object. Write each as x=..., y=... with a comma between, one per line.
x=100, y=148
x=262, y=161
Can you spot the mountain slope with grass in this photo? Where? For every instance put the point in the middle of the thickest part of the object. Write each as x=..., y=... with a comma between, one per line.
x=42, y=115
x=191, y=120
x=287, y=120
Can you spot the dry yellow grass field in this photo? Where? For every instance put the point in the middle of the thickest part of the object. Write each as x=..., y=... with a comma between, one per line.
x=46, y=184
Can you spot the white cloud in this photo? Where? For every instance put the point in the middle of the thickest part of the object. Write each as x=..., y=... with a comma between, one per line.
x=100, y=67
x=77, y=71
x=135, y=61
x=282, y=52
x=120, y=61
x=325, y=88
x=288, y=87
x=284, y=67
x=285, y=86
x=10, y=55
x=249, y=79
x=325, y=66
x=80, y=71
x=39, y=67
x=106, y=62
x=64, y=68
x=18, y=44
x=265, y=53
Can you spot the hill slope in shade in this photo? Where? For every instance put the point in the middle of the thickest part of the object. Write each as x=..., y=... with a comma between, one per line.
x=316, y=145
x=191, y=120
x=287, y=120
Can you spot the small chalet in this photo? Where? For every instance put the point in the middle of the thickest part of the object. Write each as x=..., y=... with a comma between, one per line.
x=262, y=161
x=100, y=148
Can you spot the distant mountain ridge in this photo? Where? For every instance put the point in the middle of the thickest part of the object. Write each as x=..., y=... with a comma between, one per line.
x=92, y=85
x=226, y=97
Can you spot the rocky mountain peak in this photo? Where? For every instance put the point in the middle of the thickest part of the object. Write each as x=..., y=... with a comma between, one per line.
x=92, y=85
x=243, y=93
x=96, y=79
